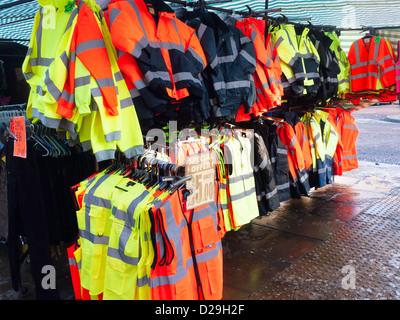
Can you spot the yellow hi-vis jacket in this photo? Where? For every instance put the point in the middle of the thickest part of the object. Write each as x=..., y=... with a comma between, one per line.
x=46, y=59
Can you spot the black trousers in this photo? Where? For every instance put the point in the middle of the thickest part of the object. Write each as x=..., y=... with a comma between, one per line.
x=27, y=217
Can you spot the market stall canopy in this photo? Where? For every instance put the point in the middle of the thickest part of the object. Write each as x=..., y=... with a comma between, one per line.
x=16, y=16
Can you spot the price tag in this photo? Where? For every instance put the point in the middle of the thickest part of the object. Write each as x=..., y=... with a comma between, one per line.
x=201, y=167
x=17, y=126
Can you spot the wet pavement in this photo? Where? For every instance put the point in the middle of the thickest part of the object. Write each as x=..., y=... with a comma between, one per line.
x=341, y=242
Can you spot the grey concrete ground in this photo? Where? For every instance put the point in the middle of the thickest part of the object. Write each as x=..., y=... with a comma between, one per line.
x=342, y=242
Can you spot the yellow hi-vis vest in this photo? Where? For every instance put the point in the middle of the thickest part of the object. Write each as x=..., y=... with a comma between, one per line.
x=128, y=263
x=94, y=230
x=241, y=184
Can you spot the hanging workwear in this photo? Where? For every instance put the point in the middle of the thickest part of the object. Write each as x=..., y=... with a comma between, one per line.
x=94, y=230
x=323, y=140
x=267, y=193
x=241, y=183
x=299, y=58
x=329, y=66
x=343, y=76
x=269, y=90
x=297, y=152
x=296, y=162
x=397, y=68
x=166, y=50
x=49, y=44
x=348, y=133
x=126, y=275
x=225, y=48
x=370, y=59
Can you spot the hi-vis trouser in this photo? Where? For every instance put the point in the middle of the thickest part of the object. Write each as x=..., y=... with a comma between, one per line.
x=241, y=184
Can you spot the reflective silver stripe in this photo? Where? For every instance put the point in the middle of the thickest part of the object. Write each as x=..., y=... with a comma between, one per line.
x=82, y=81
x=357, y=51
x=317, y=136
x=114, y=15
x=51, y=87
x=90, y=44
x=184, y=76
x=201, y=30
x=106, y=82
x=131, y=152
x=231, y=85
x=95, y=239
x=43, y=62
x=282, y=186
x=292, y=142
x=120, y=255
x=214, y=63
x=264, y=163
x=248, y=57
x=240, y=178
x=347, y=126
x=151, y=75
x=113, y=136
x=389, y=69
x=385, y=58
x=281, y=151
x=268, y=195
x=126, y=103
x=349, y=157
x=118, y=76
x=105, y=155
x=96, y=92
x=242, y=195
x=244, y=40
x=343, y=81
x=376, y=51
x=70, y=98
x=64, y=58
x=137, y=50
x=71, y=19
x=196, y=56
x=278, y=42
x=290, y=40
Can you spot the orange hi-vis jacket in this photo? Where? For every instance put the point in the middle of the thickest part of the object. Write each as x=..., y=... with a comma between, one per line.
x=296, y=161
x=88, y=44
x=371, y=60
x=166, y=50
x=348, y=133
x=267, y=76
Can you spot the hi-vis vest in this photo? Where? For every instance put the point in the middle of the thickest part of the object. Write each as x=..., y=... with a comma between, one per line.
x=371, y=60
x=130, y=252
x=94, y=230
x=241, y=184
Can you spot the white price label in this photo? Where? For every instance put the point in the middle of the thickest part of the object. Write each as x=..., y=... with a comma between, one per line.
x=201, y=167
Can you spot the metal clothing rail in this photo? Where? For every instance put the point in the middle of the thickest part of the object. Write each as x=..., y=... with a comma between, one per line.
x=206, y=5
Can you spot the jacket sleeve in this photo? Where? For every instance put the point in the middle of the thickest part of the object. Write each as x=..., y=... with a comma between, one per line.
x=88, y=44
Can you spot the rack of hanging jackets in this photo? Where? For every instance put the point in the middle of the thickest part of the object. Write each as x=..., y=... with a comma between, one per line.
x=137, y=240
x=76, y=84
